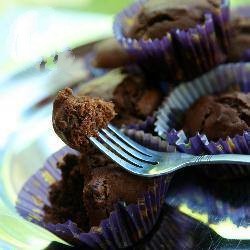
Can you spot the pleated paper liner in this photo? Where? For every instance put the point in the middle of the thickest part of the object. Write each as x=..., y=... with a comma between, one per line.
x=126, y=225
x=246, y=56
x=146, y=126
x=180, y=54
x=171, y=113
x=174, y=230
x=149, y=141
x=224, y=207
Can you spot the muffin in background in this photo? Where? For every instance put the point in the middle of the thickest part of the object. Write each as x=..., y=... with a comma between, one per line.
x=222, y=112
x=219, y=116
x=109, y=54
x=156, y=18
x=135, y=100
x=210, y=115
x=175, y=40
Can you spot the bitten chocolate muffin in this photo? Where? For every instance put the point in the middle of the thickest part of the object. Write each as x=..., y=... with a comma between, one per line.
x=134, y=100
x=92, y=176
x=219, y=116
x=110, y=54
x=158, y=17
x=91, y=185
x=240, y=41
x=77, y=117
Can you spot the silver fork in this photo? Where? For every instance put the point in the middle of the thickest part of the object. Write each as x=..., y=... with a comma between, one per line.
x=142, y=161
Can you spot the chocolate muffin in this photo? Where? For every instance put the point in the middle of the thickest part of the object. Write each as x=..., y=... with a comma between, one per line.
x=240, y=41
x=219, y=116
x=135, y=99
x=75, y=118
x=109, y=54
x=91, y=185
x=156, y=18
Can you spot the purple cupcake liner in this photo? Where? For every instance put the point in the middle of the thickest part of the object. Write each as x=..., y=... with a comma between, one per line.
x=180, y=54
x=218, y=201
x=174, y=231
x=146, y=126
x=176, y=104
x=126, y=225
x=150, y=141
x=246, y=55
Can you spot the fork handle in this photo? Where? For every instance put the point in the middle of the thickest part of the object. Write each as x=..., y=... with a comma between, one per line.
x=221, y=159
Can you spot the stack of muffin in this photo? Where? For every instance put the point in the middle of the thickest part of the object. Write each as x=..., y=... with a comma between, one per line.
x=183, y=84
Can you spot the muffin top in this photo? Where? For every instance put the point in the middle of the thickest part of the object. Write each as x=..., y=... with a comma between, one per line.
x=219, y=116
x=77, y=117
x=134, y=100
x=110, y=54
x=240, y=40
x=157, y=17
x=106, y=187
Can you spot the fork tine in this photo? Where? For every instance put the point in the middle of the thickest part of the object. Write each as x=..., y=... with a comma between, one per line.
x=122, y=153
x=126, y=147
x=124, y=164
x=132, y=143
